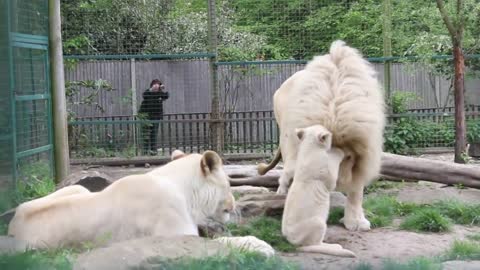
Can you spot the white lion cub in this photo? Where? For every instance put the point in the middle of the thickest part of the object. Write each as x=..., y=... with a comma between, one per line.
x=308, y=200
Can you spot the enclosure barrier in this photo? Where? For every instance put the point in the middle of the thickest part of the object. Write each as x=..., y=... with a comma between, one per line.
x=247, y=133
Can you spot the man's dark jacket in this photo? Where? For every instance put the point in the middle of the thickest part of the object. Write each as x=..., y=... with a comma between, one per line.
x=152, y=104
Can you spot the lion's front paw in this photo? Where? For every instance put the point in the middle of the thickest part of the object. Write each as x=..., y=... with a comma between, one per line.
x=356, y=224
x=282, y=190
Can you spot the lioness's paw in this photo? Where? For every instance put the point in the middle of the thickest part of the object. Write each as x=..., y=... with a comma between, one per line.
x=356, y=224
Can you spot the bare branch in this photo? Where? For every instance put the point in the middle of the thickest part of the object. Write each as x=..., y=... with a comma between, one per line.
x=446, y=19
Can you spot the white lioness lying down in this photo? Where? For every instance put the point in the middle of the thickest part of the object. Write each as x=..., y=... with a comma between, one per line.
x=171, y=200
x=304, y=221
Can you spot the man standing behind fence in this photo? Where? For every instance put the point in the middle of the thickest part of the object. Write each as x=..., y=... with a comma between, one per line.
x=152, y=109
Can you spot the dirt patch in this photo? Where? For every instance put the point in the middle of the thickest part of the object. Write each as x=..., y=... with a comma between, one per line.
x=379, y=244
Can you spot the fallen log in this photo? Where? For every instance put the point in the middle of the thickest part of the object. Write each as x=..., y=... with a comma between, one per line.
x=411, y=168
x=394, y=168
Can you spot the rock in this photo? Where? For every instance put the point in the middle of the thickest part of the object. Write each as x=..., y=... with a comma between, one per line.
x=211, y=229
x=244, y=190
x=91, y=180
x=147, y=165
x=11, y=245
x=149, y=252
x=6, y=216
x=271, y=204
x=461, y=265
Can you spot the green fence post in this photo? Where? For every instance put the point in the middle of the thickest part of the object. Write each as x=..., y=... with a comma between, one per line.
x=61, y=153
x=387, y=45
x=216, y=126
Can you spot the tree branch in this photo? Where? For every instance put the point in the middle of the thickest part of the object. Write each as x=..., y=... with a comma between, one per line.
x=446, y=19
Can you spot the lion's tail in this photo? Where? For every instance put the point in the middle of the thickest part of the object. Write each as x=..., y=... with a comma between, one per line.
x=328, y=249
x=263, y=168
x=340, y=51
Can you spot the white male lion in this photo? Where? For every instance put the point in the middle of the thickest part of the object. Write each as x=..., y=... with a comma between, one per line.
x=340, y=91
x=171, y=200
x=304, y=220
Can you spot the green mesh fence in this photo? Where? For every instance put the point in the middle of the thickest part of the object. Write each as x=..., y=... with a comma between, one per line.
x=115, y=48
x=25, y=114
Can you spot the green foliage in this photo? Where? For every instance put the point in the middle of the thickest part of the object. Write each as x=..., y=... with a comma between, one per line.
x=399, y=101
x=37, y=260
x=474, y=237
x=232, y=260
x=381, y=185
x=35, y=181
x=266, y=228
x=420, y=263
x=459, y=212
x=93, y=87
x=335, y=215
x=463, y=250
x=426, y=220
x=381, y=210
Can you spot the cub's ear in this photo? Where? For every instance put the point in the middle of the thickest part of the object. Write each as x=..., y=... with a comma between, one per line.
x=323, y=137
x=300, y=133
x=177, y=154
x=210, y=162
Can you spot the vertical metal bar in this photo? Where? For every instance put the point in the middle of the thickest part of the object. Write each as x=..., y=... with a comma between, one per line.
x=133, y=81
x=264, y=125
x=387, y=45
x=12, y=96
x=215, y=127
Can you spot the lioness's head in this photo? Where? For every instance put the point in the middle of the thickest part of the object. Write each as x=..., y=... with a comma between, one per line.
x=213, y=196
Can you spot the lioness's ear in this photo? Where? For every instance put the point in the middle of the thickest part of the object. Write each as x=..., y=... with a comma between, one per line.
x=210, y=161
x=300, y=132
x=177, y=154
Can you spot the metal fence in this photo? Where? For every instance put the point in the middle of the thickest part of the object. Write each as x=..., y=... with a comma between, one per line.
x=248, y=133
x=122, y=136
x=26, y=137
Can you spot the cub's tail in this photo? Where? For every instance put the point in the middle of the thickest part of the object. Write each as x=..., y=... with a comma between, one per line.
x=329, y=249
x=263, y=168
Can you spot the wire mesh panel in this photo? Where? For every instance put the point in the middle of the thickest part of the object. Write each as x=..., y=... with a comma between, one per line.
x=29, y=76
x=117, y=48
x=7, y=155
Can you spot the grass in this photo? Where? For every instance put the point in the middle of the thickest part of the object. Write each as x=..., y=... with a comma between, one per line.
x=335, y=215
x=382, y=210
x=266, y=228
x=460, y=250
x=36, y=260
x=420, y=263
x=474, y=237
x=435, y=217
x=232, y=260
x=463, y=250
x=459, y=212
x=426, y=220
x=382, y=185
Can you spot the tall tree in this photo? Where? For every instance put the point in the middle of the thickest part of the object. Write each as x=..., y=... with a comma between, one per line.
x=456, y=29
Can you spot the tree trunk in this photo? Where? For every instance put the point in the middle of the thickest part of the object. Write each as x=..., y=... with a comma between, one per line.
x=393, y=167
x=459, y=93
